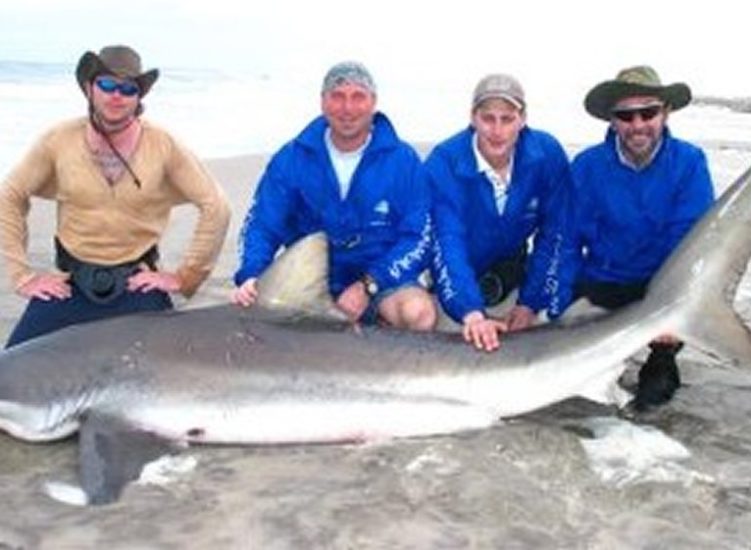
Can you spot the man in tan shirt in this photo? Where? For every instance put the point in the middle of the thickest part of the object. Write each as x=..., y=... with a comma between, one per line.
x=115, y=178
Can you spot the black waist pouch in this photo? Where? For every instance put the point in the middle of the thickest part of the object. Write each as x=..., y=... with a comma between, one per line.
x=101, y=283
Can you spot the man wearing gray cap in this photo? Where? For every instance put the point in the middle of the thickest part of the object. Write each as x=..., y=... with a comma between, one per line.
x=638, y=193
x=495, y=184
x=347, y=174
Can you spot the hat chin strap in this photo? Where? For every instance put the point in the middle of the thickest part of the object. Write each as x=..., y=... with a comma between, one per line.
x=106, y=129
x=96, y=123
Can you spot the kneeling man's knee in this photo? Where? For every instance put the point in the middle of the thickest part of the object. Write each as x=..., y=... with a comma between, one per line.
x=423, y=316
x=419, y=312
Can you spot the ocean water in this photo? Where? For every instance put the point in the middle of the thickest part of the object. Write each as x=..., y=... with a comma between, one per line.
x=215, y=113
x=222, y=112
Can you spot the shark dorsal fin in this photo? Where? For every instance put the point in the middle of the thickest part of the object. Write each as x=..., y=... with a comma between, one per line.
x=297, y=280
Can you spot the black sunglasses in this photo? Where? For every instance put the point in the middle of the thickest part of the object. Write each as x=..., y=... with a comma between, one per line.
x=109, y=86
x=646, y=113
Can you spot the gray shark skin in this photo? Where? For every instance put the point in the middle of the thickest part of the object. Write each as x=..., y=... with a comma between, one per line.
x=279, y=373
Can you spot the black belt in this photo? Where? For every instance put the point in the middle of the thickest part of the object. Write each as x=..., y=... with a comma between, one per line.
x=101, y=283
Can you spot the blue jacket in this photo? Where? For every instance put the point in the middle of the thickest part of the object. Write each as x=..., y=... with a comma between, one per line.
x=382, y=227
x=470, y=235
x=629, y=221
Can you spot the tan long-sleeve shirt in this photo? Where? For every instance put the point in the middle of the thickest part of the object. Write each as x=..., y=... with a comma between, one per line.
x=107, y=223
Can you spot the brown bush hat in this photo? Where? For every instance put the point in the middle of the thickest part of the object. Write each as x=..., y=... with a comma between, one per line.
x=634, y=81
x=119, y=61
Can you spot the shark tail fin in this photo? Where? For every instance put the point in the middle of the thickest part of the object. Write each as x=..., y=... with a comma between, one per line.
x=721, y=333
x=701, y=277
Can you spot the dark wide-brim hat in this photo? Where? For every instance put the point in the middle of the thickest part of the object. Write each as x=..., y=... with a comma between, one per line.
x=641, y=80
x=119, y=61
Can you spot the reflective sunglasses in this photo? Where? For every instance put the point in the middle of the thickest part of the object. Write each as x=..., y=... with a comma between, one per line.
x=109, y=86
x=646, y=113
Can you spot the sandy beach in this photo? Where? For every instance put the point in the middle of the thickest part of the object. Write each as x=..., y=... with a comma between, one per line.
x=525, y=484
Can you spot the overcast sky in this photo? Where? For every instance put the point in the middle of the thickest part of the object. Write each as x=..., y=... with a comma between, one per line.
x=546, y=43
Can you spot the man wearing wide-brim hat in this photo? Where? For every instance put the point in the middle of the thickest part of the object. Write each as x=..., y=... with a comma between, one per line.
x=115, y=178
x=638, y=193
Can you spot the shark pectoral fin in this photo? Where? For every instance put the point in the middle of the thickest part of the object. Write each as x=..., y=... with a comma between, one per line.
x=721, y=333
x=112, y=453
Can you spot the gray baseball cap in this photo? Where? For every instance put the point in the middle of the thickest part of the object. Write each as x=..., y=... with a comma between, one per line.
x=499, y=86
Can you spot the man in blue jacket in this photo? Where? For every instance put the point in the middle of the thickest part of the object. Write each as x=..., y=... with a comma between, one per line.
x=638, y=193
x=495, y=184
x=348, y=174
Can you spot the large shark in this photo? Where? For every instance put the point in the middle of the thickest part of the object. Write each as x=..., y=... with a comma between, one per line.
x=272, y=374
